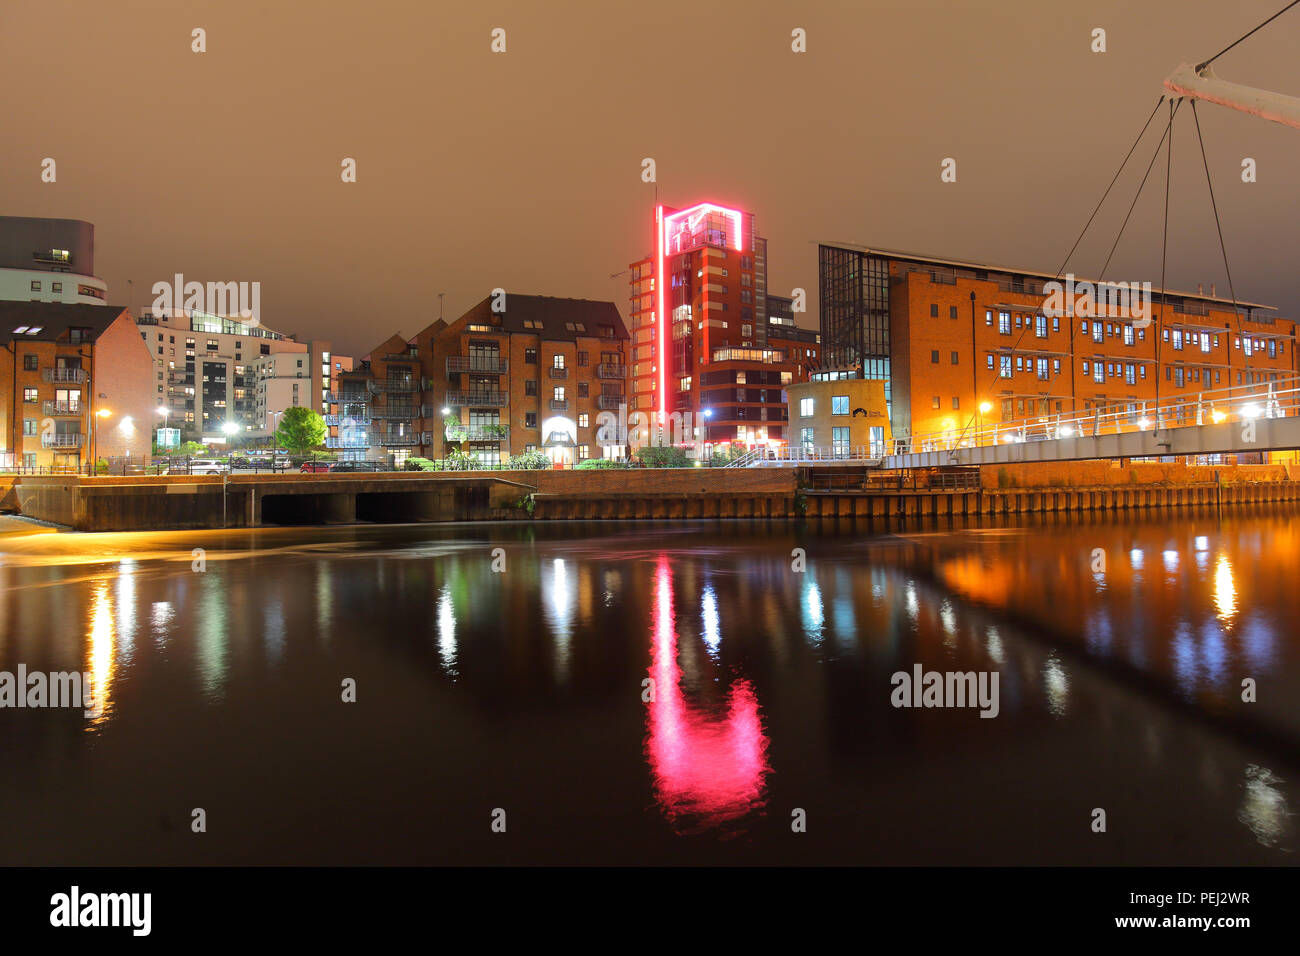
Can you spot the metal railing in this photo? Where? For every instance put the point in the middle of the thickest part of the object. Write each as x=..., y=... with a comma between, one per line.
x=610, y=401
x=52, y=407
x=75, y=376
x=559, y=372
x=611, y=371
x=559, y=404
x=363, y=419
x=476, y=432
x=381, y=385
x=477, y=363
x=1237, y=403
x=477, y=398
x=62, y=441
x=800, y=453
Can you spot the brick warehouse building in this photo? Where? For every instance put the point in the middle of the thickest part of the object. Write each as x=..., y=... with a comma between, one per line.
x=75, y=383
x=535, y=375
x=960, y=343
x=701, y=339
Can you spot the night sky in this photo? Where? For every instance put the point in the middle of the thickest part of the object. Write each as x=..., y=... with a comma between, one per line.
x=523, y=169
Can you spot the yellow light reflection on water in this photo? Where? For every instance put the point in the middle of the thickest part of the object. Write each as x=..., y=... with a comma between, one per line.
x=1225, y=589
x=101, y=660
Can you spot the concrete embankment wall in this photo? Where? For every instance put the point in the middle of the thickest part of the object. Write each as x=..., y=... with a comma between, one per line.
x=147, y=503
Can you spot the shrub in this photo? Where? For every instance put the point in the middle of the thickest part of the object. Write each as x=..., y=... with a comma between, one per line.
x=663, y=456
x=593, y=464
x=529, y=461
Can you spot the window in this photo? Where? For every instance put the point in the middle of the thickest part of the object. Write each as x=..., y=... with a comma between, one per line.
x=558, y=361
x=805, y=408
x=1130, y=373
x=807, y=439
x=584, y=420
x=1042, y=370
x=1040, y=327
x=1178, y=375
x=955, y=358
x=956, y=403
x=1056, y=323
x=988, y=360
x=30, y=362
x=557, y=394
x=1004, y=323
x=29, y=395
x=582, y=388
x=952, y=312
x=530, y=387
x=1098, y=372
x=839, y=404
x=988, y=316
x=1178, y=339
x=1245, y=346
x=1128, y=335
x=1005, y=367
x=530, y=356
x=935, y=402
x=840, y=441
x=29, y=426
x=934, y=356
x=584, y=452
x=56, y=286
x=1272, y=348
x=530, y=419
x=1098, y=331
x=934, y=309
x=36, y=285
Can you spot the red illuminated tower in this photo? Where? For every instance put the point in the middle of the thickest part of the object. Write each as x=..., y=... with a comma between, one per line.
x=700, y=337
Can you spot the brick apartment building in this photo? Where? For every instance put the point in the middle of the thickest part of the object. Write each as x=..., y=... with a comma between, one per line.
x=534, y=375
x=960, y=343
x=701, y=339
x=75, y=383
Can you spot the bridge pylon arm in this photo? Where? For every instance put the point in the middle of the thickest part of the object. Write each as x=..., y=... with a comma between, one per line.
x=1201, y=83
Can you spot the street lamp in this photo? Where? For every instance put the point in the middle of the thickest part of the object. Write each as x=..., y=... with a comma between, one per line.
x=984, y=409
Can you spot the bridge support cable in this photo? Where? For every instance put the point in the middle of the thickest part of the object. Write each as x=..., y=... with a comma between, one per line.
x=1223, y=248
x=1201, y=66
x=1060, y=272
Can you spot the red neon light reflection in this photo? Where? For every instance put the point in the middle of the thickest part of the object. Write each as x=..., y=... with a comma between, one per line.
x=707, y=769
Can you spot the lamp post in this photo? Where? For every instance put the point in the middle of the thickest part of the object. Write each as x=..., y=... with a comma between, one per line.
x=984, y=409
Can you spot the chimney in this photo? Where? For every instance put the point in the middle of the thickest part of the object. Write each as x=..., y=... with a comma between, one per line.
x=1211, y=290
x=1200, y=288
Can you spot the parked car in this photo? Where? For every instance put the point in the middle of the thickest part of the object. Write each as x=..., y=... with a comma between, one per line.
x=346, y=466
x=208, y=466
x=314, y=467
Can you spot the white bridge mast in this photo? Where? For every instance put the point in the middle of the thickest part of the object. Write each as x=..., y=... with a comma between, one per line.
x=1201, y=83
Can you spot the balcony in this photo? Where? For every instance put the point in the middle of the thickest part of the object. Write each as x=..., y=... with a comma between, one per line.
x=348, y=398
x=559, y=404
x=363, y=419
x=557, y=372
x=396, y=440
x=476, y=432
x=380, y=386
x=72, y=376
x=397, y=412
x=480, y=399
x=611, y=371
x=611, y=402
x=51, y=407
x=476, y=363
x=61, y=441
x=357, y=440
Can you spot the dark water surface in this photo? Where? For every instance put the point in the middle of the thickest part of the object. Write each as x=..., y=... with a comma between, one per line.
x=522, y=690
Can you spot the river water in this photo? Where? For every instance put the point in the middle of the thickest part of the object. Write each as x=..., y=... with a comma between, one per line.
x=647, y=693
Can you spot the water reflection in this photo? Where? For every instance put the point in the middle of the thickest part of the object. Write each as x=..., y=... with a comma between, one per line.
x=513, y=687
x=709, y=765
x=101, y=656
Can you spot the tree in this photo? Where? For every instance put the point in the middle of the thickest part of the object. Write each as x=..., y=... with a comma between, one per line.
x=300, y=430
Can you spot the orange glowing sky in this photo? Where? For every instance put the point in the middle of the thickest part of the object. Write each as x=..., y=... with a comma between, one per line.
x=522, y=170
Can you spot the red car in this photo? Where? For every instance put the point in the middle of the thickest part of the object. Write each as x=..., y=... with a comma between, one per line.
x=315, y=467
